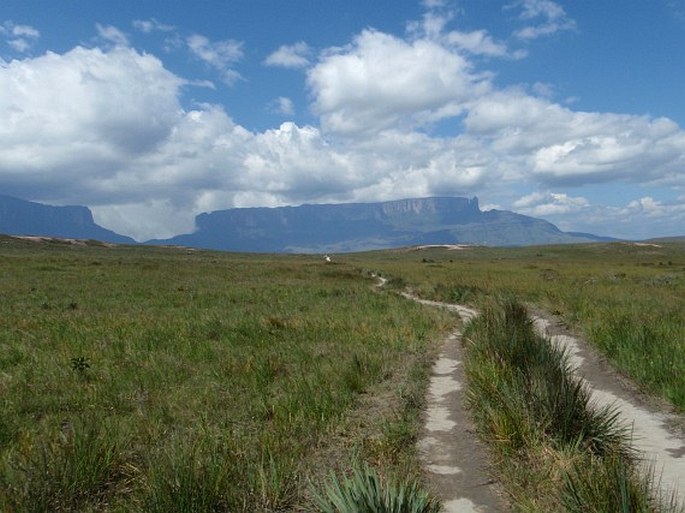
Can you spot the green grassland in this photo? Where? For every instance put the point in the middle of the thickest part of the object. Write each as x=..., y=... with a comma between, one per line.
x=628, y=300
x=166, y=379
x=176, y=380
x=553, y=449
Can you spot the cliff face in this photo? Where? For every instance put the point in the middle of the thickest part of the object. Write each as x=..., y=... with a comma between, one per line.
x=20, y=217
x=365, y=226
x=429, y=206
x=311, y=228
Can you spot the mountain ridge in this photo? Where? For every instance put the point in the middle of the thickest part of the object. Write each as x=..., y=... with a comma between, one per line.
x=28, y=218
x=311, y=228
x=348, y=227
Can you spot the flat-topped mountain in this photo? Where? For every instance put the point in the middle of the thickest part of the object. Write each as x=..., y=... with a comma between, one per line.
x=365, y=226
x=20, y=217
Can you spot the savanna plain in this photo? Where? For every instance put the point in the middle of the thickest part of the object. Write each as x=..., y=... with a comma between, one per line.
x=169, y=379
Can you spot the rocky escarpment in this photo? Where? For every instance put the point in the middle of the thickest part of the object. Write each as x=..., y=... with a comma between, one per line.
x=366, y=226
x=20, y=217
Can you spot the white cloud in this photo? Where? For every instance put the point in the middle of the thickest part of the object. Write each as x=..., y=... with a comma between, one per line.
x=24, y=31
x=282, y=105
x=152, y=25
x=557, y=146
x=543, y=204
x=290, y=56
x=477, y=42
x=19, y=45
x=19, y=37
x=381, y=81
x=112, y=34
x=552, y=19
x=110, y=107
x=543, y=89
x=115, y=136
x=218, y=54
x=230, y=77
x=641, y=218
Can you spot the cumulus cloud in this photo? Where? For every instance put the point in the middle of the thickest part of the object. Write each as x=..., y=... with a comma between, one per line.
x=110, y=107
x=559, y=146
x=290, y=56
x=381, y=81
x=115, y=136
x=549, y=203
x=19, y=37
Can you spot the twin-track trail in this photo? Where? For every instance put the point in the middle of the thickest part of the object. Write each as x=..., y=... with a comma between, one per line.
x=456, y=462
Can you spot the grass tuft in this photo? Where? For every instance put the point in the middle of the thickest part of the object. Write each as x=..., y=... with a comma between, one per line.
x=367, y=492
x=556, y=449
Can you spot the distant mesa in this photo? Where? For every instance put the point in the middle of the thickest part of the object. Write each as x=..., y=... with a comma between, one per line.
x=326, y=229
x=348, y=227
x=27, y=218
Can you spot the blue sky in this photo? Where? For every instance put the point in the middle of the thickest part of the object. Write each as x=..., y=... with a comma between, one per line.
x=150, y=112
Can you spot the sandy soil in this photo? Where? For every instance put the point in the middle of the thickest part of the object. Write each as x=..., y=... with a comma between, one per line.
x=454, y=459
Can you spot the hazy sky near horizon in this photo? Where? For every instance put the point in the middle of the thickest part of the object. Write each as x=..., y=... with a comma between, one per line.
x=150, y=112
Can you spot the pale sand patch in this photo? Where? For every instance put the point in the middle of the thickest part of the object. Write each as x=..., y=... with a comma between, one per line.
x=445, y=470
x=661, y=447
x=450, y=247
x=439, y=419
x=454, y=459
x=462, y=506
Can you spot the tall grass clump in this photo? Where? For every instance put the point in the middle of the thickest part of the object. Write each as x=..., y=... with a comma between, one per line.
x=648, y=344
x=613, y=485
x=83, y=465
x=557, y=451
x=365, y=491
x=532, y=382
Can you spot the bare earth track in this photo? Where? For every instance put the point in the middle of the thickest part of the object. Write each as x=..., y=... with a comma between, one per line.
x=658, y=434
x=454, y=458
x=456, y=462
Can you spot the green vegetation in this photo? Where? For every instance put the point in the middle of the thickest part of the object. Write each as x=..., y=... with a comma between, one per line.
x=165, y=379
x=149, y=379
x=627, y=299
x=366, y=492
x=554, y=450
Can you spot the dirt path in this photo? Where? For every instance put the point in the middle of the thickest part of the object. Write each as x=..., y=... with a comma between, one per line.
x=659, y=435
x=454, y=459
x=449, y=450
